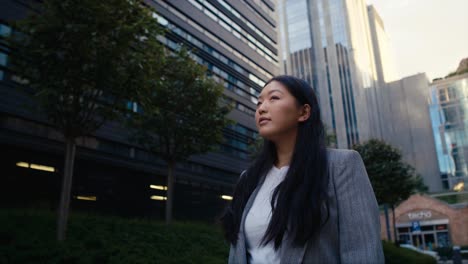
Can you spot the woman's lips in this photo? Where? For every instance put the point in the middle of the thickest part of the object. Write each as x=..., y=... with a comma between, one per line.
x=263, y=121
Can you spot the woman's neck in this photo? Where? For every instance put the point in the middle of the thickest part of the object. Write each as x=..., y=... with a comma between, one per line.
x=284, y=151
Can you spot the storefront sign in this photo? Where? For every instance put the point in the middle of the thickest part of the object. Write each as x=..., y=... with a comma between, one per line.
x=420, y=215
x=415, y=227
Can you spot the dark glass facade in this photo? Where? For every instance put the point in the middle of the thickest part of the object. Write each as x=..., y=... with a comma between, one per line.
x=235, y=40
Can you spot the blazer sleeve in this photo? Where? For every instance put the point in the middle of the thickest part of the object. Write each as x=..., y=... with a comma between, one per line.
x=358, y=213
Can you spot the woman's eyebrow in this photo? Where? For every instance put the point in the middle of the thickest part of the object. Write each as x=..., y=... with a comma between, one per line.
x=271, y=91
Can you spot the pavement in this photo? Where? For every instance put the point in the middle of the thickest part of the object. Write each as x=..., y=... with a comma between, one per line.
x=464, y=261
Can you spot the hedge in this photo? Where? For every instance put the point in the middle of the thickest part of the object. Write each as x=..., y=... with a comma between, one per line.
x=396, y=255
x=28, y=236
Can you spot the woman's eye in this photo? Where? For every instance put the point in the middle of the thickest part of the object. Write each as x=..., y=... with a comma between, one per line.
x=274, y=98
x=258, y=104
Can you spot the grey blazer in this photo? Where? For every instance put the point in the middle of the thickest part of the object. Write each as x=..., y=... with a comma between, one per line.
x=352, y=233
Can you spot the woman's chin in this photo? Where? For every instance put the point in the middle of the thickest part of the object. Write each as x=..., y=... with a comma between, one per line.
x=266, y=135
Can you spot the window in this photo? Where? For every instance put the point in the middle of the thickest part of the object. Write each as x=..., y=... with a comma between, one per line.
x=427, y=228
x=5, y=30
x=452, y=93
x=3, y=59
x=403, y=230
x=450, y=114
x=442, y=95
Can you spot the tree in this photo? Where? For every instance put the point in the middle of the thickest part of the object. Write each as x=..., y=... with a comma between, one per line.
x=330, y=139
x=182, y=116
x=83, y=61
x=392, y=179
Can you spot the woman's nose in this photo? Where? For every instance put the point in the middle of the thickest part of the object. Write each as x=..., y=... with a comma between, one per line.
x=262, y=108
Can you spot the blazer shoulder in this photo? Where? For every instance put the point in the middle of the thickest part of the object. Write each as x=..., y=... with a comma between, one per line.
x=341, y=157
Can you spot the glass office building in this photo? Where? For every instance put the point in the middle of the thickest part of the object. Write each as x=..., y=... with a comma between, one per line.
x=449, y=116
x=328, y=43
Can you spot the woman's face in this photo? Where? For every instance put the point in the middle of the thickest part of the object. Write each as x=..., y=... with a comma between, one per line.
x=278, y=112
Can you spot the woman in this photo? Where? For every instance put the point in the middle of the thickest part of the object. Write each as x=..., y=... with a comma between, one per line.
x=300, y=202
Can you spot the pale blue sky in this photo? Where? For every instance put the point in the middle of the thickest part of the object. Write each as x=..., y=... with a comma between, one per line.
x=428, y=36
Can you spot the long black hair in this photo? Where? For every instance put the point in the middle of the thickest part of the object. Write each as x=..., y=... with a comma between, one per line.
x=301, y=206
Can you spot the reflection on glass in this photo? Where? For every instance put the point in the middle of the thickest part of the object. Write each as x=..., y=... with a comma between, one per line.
x=449, y=118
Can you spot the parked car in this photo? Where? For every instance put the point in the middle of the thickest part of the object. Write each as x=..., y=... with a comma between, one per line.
x=427, y=252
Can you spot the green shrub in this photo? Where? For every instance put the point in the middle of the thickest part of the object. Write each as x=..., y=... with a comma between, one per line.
x=444, y=252
x=394, y=255
x=29, y=237
x=447, y=252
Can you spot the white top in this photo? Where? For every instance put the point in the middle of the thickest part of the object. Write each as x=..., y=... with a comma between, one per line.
x=258, y=218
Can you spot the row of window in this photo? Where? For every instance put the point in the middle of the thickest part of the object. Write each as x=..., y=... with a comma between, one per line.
x=236, y=147
x=5, y=31
x=244, y=130
x=270, y=11
x=453, y=92
x=3, y=62
x=213, y=13
x=215, y=39
x=179, y=31
x=247, y=22
x=239, y=143
x=251, y=95
x=241, y=107
x=442, y=227
x=240, y=88
x=229, y=81
x=237, y=140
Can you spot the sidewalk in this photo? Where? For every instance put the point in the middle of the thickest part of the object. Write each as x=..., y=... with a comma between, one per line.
x=465, y=261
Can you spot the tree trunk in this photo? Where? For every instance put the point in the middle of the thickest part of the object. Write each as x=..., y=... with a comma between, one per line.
x=66, y=188
x=387, y=224
x=394, y=224
x=170, y=191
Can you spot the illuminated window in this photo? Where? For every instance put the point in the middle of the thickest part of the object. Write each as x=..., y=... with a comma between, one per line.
x=35, y=166
x=158, y=198
x=86, y=198
x=158, y=187
x=226, y=197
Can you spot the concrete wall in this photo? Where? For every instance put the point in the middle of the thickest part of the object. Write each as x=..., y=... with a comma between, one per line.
x=406, y=124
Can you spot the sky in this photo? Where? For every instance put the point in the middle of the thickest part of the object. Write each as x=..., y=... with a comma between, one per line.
x=428, y=36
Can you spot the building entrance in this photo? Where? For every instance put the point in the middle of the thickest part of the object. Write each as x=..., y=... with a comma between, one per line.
x=428, y=237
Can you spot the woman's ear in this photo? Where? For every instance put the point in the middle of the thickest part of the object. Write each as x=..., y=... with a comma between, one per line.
x=304, y=113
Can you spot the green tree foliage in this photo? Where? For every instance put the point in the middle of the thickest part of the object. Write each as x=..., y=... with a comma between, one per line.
x=392, y=179
x=330, y=139
x=182, y=116
x=83, y=60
